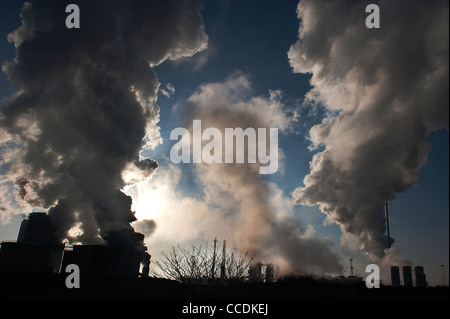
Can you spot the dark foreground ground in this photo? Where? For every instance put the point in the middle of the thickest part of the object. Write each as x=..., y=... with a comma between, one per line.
x=31, y=294
x=16, y=285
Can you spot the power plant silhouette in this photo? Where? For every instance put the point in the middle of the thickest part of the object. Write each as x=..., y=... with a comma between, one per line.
x=35, y=266
x=38, y=251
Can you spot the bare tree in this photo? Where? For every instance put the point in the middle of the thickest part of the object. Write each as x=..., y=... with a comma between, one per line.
x=237, y=267
x=202, y=266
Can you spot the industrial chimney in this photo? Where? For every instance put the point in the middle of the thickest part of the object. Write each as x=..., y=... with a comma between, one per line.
x=420, y=277
x=222, y=266
x=387, y=226
x=395, y=276
x=407, y=276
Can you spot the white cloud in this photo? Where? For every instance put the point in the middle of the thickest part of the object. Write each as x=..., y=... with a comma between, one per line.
x=236, y=203
x=169, y=91
x=385, y=90
x=98, y=111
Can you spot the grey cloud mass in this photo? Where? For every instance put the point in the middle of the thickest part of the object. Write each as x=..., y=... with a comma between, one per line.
x=259, y=214
x=86, y=104
x=386, y=89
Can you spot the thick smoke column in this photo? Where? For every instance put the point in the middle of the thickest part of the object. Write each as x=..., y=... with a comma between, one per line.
x=257, y=211
x=385, y=90
x=87, y=104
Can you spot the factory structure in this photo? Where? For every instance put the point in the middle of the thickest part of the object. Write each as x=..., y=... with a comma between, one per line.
x=37, y=250
x=123, y=253
x=407, y=272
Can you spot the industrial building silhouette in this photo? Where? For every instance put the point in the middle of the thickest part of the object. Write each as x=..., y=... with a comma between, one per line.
x=37, y=250
x=34, y=267
x=419, y=273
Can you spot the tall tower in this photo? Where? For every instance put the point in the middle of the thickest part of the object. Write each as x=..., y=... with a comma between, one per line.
x=421, y=280
x=387, y=226
x=222, y=266
x=407, y=276
x=395, y=276
x=213, y=268
x=351, y=266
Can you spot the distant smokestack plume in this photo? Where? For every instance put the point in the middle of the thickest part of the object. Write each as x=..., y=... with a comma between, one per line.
x=257, y=211
x=385, y=90
x=87, y=105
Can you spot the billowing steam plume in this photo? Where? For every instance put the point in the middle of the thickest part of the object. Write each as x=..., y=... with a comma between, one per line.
x=257, y=212
x=87, y=104
x=386, y=89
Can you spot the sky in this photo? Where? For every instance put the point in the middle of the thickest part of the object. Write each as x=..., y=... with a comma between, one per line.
x=362, y=118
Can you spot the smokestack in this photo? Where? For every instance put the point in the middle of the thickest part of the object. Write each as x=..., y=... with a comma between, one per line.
x=420, y=277
x=351, y=267
x=222, y=267
x=395, y=276
x=387, y=226
x=407, y=276
x=39, y=229
x=145, y=264
x=213, y=268
x=132, y=249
